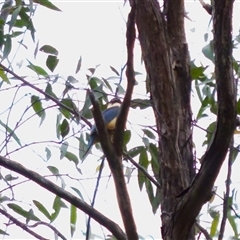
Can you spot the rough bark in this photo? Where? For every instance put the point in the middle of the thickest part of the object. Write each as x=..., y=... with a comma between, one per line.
x=167, y=72
x=166, y=59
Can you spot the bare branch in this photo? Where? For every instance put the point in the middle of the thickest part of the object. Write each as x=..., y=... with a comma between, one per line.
x=143, y=170
x=71, y=110
x=50, y=226
x=227, y=194
x=200, y=190
x=206, y=6
x=122, y=117
x=34, y=176
x=22, y=225
x=115, y=165
x=94, y=197
x=204, y=231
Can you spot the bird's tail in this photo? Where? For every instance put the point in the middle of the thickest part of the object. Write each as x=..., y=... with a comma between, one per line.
x=89, y=146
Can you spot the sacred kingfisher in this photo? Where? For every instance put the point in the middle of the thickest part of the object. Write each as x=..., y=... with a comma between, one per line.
x=109, y=117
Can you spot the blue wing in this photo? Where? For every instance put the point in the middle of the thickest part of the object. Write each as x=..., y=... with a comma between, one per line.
x=108, y=115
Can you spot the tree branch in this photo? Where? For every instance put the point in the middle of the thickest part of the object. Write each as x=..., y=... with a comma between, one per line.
x=22, y=225
x=206, y=6
x=114, y=156
x=143, y=170
x=50, y=226
x=201, y=188
x=122, y=117
x=37, y=178
x=227, y=194
x=71, y=110
x=115, y=165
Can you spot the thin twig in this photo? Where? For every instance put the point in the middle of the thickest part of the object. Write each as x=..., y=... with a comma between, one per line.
x=227, y=194
x=71, y=110
x=22, y=225
x=143, y=170
x=50, y=226
x=204, y=231
x=50, y=186
x=94, y=196
x=206, y=6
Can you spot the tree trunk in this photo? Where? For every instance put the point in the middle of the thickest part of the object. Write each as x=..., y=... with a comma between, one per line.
x=166, y=58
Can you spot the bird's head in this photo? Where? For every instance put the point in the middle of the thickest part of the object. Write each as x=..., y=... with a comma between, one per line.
x=115, y=102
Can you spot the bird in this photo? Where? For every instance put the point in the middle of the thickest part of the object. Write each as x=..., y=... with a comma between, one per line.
x=110, y=115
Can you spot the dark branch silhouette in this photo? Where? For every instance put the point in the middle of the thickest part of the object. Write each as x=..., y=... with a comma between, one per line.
x=43, y=182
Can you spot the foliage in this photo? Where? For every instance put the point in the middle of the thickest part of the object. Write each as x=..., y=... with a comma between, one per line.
x=67, y=115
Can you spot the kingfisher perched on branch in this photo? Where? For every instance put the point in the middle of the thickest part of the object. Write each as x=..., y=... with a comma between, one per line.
x=110, y=118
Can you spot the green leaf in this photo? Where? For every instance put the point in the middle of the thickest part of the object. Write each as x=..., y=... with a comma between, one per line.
x=115, y=71
x=79, y=65
x=141, y=179
x=146, y=141
x=63, y=149
x=143, y=161
x=9, y=177
x=149, y=133
x=232, y=221
x=149, y=189
x=16, y=34
x=57, y=205
x=156, y=201
x=203, y=107
x=4, y=199
x=198, y=72
x=93, y=82
x=27, y=214
x=11, y=132
x=78, y=192
x=208, y=51
x=52, y=62
x=69, y=103
x=198, y=91
x=7, y=47
x=64, y=128
x=37, y=107
x=135, y=151
x=4, y=77
x=107, y=84
x=49, y=49
x=71, y=157
x=141, y=103
x=3, y=232
x=27, y=21
x=72, y=79
x=235, y=153
x=49, y=91
x=14, y=16
x=42, y=209
x=210, y=133
x=48, y=153
x=154, y=159
x=73, y=219
x=47, y=4
x=38, y=70
x=214, y=225
x=126, y=137
x=53, y=170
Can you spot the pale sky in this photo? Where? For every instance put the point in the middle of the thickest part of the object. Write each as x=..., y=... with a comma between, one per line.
x=96, y=31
